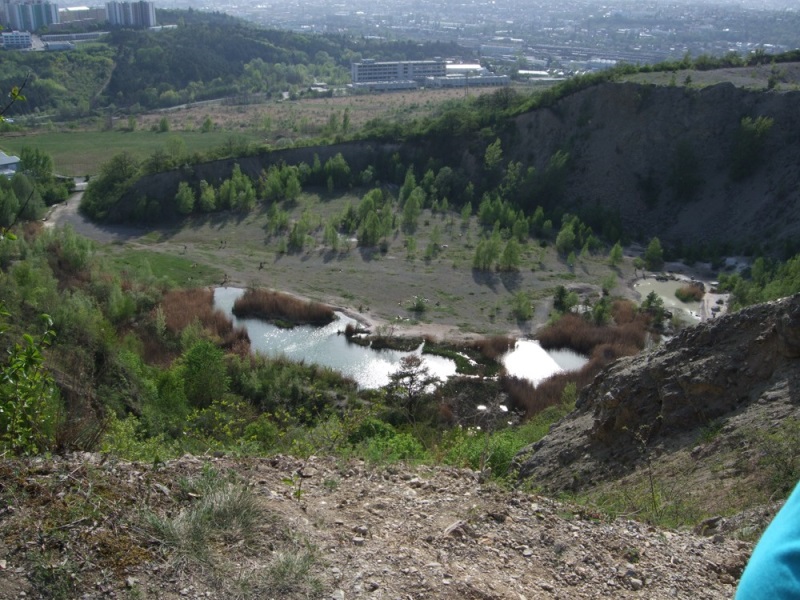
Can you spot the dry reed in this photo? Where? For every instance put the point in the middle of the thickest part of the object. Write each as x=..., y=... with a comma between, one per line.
x=493, y=347
x=183, y=307
x=269, y=305
x=603, y=345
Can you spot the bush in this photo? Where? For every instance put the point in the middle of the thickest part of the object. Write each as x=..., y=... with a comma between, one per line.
x=476, y=449
x=28, y=398
x=689, y=293
x=401, y=446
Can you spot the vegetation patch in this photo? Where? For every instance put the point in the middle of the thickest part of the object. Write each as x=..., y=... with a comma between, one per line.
x=270, y=305
x=689, y=293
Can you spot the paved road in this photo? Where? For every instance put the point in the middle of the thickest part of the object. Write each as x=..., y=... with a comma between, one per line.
x=67, y=214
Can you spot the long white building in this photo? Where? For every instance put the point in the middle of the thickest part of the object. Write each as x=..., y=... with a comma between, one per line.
x=16, y=40
x=370, y=71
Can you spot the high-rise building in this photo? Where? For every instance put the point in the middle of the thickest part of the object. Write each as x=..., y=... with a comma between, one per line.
x=131, y=14
x=29, y=15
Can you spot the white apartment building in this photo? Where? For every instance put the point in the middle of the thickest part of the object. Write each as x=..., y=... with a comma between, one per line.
x=16, y=39
x=370, y=71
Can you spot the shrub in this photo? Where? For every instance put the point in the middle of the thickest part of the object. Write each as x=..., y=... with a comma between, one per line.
x=28, y=399
x=689, y=293
x=401, y=446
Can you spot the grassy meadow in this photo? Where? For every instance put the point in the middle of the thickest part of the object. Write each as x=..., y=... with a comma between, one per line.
x=81, y=152
x=79, y=148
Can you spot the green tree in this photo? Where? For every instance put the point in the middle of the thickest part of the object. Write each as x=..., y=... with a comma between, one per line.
x=105, y=190
x=565, y=241
x=337, y=169
x=601, y=311
x=412, y=209
x=615, y=255
x=510, y=259
x=409, y=185
x=370, y=231
x=411, y=247
x=654, y=306
x=564, y=300
x=330, y=237
x=185, y=199
x=493, y=155
x=36, y=163
x=466, y=214
x=408, y=387
x=654, y=255
x=208, y=197
x=28, y=396
x=237, y=193
x=163, y=125
x=487, y=251
x=204, y=374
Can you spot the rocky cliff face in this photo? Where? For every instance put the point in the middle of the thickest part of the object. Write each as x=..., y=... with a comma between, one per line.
x=662, y=156
x=738, y=371
x=658, y=156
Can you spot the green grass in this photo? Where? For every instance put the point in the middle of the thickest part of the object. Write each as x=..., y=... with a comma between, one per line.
x=177, y=270
x=82, y=152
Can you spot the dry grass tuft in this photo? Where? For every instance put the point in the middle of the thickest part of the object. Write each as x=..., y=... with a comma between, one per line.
x=270, y=305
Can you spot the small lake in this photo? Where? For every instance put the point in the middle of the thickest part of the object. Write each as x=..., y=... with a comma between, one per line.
x=370, y=368
x=325, y=347
x=686, y=311
x=528, y=360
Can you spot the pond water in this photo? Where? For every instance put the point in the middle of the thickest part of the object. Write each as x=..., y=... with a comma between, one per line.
x=371, y=368
x=324, y=346
x=686, y=311
x=528, y=360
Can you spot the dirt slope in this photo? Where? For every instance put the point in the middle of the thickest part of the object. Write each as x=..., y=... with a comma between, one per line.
x=77, y=528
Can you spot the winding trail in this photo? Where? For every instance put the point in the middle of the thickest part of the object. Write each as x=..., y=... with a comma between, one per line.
x=67, y=214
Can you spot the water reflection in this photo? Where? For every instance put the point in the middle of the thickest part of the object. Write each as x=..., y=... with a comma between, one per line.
x=324, y=346
x=528, y=360
x=371, y=368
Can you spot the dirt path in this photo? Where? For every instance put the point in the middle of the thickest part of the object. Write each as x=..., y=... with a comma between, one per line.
x=67, y=214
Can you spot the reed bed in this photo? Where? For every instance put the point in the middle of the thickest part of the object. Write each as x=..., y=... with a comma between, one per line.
x=269, y=305
x=181, y=308
x=603, y=345
x=578, y=334
x=493, y=347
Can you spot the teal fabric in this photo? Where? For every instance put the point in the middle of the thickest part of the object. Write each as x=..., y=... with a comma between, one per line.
x=773, y=571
